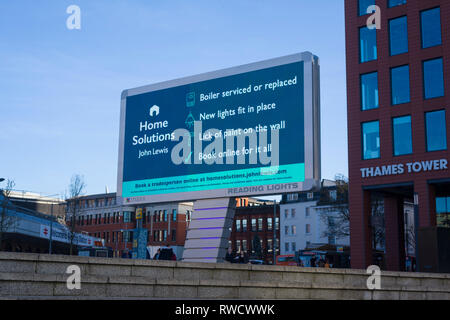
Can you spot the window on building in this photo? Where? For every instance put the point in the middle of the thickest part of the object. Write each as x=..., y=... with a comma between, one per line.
x=269, y=245
x=165, y=215
x=286, y=230
x=294, y=230
x=331, y=239
x=431, y=27
x=277, y=223
x=363, y=5
x=398, y=35
x=369, y=91
x=394, y=3
x=161, y=215
x=402, y=135
x=293, y=213
x=155, y=235
x=443, y=212
x=307, y=212
x=308, y=228
x=433, y=78
x=371, y=140
x=367, y=44
x=400, y=92
x=286, y=213
x=174, y=214
x=269, y=224
x=174, y=235
x=238, y=245
x=165, y=235
x=293, y=246
x=244, y=245
x=254, y=225
x=292, y=197
x=260, y=224
x=286, y=246
x=244, y=225
x=333, y=195
x=238, y=225
x=436, y=130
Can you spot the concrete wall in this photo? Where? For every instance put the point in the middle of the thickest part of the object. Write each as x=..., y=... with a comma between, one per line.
x=42, y=276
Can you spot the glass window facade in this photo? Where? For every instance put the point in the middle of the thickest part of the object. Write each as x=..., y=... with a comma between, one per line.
x=436, y=130
x=431, y=27
x=433, y=78
x=363, y=5
x=253, y=225
x=369, y=91
x=371, y=140
x=244, y=225
x=174, y=214
x=443, y=212
x=400, y=91
x=402, y=135
x=398, y=35
x=394, y=3
x=367, y=44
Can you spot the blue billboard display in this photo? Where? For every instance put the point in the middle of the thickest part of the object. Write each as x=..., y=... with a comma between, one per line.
x=217, y=134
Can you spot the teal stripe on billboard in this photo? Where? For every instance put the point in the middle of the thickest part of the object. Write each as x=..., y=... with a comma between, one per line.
x=216, y=180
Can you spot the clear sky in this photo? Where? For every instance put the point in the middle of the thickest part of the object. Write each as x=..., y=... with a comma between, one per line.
x=60, y=89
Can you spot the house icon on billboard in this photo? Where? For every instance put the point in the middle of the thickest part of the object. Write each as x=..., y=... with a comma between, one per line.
x=154, y=110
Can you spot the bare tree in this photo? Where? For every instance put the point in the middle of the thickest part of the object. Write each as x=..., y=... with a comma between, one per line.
x=336, y=215
x=378, y=224
x=6, y=221
x=337, y=208
x=76, y=190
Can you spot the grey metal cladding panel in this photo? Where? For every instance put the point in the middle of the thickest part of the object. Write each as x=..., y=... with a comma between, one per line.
x=205, y=243
x=212, y=203
x=209, y=214
x=203, y=233
x=209, y=223
x=201, y=253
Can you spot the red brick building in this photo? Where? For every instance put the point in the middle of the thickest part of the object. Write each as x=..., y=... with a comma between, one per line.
x=255, y=218
x=104, y=217
x=398, y=90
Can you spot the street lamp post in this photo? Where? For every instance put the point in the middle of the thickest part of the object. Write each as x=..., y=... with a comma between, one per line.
x=274, y=231
x=51, y=226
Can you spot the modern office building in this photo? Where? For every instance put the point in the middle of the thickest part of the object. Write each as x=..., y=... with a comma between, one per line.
x=36, y=202
x=398, y=90
x=26, y=230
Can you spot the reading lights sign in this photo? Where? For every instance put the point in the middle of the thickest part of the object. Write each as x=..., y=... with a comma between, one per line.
x=248, y=130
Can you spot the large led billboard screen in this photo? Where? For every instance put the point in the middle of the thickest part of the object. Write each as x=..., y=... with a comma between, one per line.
x=247, y=130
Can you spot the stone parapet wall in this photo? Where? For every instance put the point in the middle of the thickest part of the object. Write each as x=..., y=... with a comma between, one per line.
x=43, y=276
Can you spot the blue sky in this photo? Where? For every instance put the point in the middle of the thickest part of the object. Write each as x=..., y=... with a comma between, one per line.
x=61, y=88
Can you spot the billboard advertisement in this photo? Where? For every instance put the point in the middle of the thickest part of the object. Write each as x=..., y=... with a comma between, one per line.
x=248, y=130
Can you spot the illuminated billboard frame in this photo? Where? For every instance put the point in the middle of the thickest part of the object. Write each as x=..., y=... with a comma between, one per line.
x=312, y=155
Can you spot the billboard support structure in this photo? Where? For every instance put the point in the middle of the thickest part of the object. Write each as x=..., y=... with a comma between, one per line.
x=209, y=230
